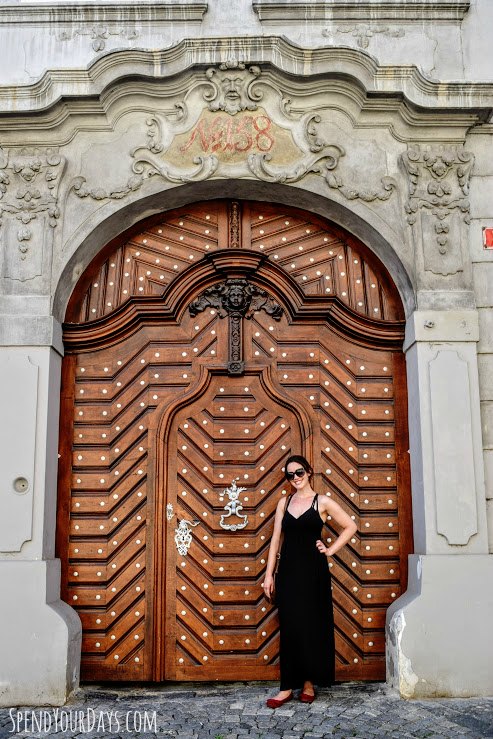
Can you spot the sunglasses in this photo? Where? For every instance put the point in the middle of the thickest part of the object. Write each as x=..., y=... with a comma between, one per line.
x=297, y=473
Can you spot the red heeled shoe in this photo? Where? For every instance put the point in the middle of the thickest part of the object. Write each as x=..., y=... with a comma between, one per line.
x=306, y=697
x=277, y=703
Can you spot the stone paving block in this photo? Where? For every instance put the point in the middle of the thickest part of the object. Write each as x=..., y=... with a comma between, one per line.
x=239, y=712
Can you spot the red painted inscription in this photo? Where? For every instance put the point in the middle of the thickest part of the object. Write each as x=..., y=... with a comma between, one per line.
x=227, y=134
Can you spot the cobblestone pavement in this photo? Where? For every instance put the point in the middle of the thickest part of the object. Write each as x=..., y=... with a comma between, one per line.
x=238, y=711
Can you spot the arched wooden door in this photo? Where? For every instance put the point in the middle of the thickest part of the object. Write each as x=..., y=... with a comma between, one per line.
x=201, y=350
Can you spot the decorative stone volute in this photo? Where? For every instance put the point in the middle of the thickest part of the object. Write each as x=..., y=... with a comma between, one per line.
x=236, y=122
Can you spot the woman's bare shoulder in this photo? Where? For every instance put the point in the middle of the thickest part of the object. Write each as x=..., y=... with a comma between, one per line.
x=281, y=505
x=325, y=502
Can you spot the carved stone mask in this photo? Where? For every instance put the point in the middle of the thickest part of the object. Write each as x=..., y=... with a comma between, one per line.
x=231, y=89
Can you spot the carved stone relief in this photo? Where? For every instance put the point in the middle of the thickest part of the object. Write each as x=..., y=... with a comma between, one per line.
x=99, y=35
x=232, y=87
x=438, y=207
x=29, y=182
x=364, y=33
x=234, y=123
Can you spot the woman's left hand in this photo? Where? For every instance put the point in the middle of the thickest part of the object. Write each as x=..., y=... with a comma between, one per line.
x=322, y=548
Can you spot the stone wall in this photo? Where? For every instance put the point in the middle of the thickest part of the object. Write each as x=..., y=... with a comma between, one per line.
x=374, y=114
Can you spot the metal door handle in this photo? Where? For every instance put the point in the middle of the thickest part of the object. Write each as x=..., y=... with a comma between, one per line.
x=183, y=533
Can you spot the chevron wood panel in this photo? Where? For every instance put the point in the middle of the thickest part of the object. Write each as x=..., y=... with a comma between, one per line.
x=235, y=430
x=149, y=261
x=322, y=260
x=151, y=418
x=350, y=390
x=116, y=393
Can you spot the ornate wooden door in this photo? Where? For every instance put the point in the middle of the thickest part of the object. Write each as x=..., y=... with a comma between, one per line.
x=201, y=352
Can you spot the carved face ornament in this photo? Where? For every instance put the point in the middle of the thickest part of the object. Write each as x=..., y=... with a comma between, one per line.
x=231, y=89
x=236, y=298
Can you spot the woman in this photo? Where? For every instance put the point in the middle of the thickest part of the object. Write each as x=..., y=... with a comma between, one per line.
x=303, y=591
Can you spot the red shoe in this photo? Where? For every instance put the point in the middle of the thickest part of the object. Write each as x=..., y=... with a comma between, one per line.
x=307, y=698
x=277, y=703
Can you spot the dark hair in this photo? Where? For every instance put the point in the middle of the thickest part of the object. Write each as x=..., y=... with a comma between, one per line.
x=299, y=460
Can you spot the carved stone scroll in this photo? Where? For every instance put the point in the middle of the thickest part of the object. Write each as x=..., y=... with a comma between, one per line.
x=238, y=299
x=220, y=129
x=363, y=33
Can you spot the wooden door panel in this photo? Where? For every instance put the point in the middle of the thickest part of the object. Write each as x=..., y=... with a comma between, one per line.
x=351, y=394
x=154, y=419
x=232, y=431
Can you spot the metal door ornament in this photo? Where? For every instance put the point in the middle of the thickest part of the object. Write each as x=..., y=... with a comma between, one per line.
x=233, y=508
x=183, y=534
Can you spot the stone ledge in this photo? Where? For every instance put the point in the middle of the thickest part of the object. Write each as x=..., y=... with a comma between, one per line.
x=86, y=12
x=442, y=326
x=363, y=10
x=405, y=82
x=30, y=330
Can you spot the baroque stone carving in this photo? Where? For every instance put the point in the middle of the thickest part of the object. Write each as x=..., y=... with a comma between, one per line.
x=99, y=35
x=350, y=193
x=99, y=193
x=234, y=136
x=231, y=87
x=29, y=181
x=238, y=299
x=438, y=204
x=363, y=33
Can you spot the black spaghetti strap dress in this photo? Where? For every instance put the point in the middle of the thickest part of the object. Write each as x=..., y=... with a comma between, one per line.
x=304, y=601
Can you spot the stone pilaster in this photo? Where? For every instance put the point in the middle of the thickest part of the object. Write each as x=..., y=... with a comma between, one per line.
x=41, y=642
x=440, y=622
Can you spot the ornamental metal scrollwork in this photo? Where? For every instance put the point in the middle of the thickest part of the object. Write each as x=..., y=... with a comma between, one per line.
x=183, y=536
x=233, y=508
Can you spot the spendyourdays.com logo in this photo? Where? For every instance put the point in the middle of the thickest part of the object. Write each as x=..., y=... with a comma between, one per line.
x=82, y=721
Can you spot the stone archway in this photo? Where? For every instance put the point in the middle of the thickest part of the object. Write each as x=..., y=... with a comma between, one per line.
x=122, y=373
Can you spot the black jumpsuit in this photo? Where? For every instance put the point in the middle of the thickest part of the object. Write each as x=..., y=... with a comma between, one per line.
x=304, y=600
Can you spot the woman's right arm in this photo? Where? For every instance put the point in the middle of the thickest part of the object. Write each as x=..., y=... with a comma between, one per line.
x=274, y=548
